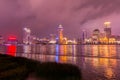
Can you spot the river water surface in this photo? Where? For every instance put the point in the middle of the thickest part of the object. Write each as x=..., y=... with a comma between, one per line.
x=97, y=62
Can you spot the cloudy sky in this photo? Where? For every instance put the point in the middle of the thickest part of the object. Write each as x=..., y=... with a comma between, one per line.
x=44, y=16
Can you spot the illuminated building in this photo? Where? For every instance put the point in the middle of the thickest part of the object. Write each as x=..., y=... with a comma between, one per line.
x=107, y=29
x=96, y=34
x=117, y=39
x=12, y=48
x=60, y=33
x=64, y=41
x=103, y=38
x=12, y=40
x=52, y=39
x=84, y=35
x=112, y=39
x=27, y=36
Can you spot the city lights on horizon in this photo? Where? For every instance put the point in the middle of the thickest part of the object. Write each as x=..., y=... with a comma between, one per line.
x=107, y=24
x=28, y=38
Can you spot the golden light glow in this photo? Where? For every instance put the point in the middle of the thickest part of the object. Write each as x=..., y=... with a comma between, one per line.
x=60, y=33
x=107, y=24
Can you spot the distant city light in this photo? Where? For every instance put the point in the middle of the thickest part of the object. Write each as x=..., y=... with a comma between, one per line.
x=27, y=30
x=60, y=26
x=11, y=50
x=107, y=24
x=12, y=38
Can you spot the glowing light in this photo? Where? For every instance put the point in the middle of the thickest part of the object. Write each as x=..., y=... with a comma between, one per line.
x=107, y=24
x=12, y=38
x=27, y=30
x=11, y=50
x=57, y=50
x=60, y=33
x=60, y=26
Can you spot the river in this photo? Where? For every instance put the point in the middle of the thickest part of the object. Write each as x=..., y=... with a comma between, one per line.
x=97, y=62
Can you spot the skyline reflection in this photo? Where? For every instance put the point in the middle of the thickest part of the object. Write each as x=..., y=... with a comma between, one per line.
x=97, y=62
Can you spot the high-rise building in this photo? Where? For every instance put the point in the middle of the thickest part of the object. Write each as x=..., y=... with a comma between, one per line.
x=107, y=29
x=52, y=38
x=96, y=35
x=60, y=33
x=96, y=32
x=84, y=35
x=27, y=36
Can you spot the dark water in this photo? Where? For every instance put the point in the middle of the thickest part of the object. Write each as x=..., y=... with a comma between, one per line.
x=97, y=62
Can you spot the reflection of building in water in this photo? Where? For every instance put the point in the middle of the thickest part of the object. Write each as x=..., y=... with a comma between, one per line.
x=104, y=51
x=52, y=49
x=100, y=50
x=95, y=62
x=43, y=49
x=74, y=50
x=112, y=51
x=107, y=51
x=35, y=48
x=87, y=50
x=63, y=50
x=95, y=50
x=70, y=49
x=109, y=73
x=117, y=51
x=108, y=65
x=63, y=59
x=27, y=49
x=103, y=62
x=64, y=53
x=11, y=50
x=102, y=65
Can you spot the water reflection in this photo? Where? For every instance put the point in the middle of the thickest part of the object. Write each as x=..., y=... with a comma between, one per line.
x=92, y=68
x=106, y=51
x=100, y=50
x=102, y=67
x=11, y=50
x=97, y=62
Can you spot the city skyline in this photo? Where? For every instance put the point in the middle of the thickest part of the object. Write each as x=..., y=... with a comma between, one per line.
x=43, y=17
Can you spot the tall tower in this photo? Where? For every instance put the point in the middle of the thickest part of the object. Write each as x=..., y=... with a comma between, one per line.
x=60, y=33
x=96, y=35
x=84, y=35
x=107, y=29
x=27, y=36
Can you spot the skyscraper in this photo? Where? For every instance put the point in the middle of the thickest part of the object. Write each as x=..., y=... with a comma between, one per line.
x=60, y=33
x=27, y=35
x=107, y=29
x=84, y=35
x=96, y=35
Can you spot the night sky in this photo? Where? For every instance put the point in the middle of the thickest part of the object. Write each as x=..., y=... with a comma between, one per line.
x=44, y=16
